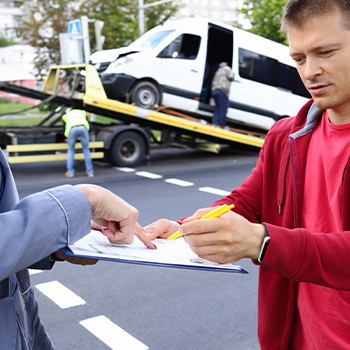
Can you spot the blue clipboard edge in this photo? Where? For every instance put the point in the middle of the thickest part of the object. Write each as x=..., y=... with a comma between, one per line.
x=66, y=251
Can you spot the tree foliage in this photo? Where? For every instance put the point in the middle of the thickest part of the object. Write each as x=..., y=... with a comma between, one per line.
x=41, y=30
x=265, y=17
x=48, y=18
x=120, y=19
x=5, y=42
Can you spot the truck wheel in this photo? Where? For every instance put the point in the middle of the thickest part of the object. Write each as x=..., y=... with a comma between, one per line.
x=128, y=149
x=145, y=94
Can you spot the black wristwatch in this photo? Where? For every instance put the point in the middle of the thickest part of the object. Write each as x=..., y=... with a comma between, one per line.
x=264, y=245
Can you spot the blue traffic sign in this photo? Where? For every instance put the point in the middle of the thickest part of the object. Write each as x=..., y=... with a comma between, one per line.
x=74, y=27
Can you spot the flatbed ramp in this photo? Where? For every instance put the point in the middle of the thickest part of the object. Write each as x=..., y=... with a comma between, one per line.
x=79, y=86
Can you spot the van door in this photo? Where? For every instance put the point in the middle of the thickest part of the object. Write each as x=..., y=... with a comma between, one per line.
x=219, y=49
x=182, y=70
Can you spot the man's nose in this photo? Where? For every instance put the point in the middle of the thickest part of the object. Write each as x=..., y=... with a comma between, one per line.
x=312, y=68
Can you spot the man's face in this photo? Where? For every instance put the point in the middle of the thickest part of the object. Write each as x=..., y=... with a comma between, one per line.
x=321, y=50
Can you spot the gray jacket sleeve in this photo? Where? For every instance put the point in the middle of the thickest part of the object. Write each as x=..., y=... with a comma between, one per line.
x=40, y=224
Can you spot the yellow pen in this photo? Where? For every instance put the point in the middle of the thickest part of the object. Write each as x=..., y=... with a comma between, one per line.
x=213, y=214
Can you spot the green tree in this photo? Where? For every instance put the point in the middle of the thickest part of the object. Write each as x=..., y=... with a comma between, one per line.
x=47, y=19
x=265, y=17
x=120, y=19
x=5, y=42
x=41, y=30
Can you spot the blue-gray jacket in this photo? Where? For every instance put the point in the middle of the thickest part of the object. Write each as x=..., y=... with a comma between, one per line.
x=32, y=229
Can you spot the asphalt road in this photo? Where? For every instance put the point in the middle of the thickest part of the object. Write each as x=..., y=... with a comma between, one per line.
x=158, y=308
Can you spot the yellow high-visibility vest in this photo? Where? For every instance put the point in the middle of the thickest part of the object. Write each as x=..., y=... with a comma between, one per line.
x=73, y=118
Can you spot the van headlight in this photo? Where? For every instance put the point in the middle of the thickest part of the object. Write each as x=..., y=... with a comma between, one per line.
x=121, y=61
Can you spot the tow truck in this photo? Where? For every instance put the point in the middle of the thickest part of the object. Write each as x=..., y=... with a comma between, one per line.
x=126, y=140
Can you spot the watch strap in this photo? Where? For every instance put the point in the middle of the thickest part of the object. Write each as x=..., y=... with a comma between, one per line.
x=264, y=245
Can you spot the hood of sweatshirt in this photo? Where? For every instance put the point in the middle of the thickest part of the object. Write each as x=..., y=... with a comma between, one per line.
x=303, y=125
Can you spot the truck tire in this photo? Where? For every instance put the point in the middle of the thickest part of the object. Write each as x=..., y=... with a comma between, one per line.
x=145, y=94
x=128, y=149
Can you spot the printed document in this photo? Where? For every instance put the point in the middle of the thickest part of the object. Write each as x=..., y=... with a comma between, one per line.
x=173, y=253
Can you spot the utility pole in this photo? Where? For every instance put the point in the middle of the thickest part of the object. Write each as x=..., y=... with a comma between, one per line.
x=141, y=18
x=142, y=13
x=86, y=38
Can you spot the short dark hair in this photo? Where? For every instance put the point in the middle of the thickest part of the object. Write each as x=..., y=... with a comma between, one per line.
x=298, y=12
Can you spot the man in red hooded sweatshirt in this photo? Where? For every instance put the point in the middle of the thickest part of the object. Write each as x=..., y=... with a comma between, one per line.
x=292, y=214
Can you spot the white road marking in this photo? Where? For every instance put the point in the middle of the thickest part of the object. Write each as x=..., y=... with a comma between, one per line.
x=173, y=181
x=149, y=175
x=34, y=272
x=60, y=294
x=213, y=190
x=125, y=169
x=111, y=334
x=179, y=182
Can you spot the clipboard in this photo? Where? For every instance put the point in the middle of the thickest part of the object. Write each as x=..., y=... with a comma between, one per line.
x=175, y=253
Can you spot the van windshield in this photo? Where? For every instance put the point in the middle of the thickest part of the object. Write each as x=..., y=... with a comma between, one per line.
x=155, y=39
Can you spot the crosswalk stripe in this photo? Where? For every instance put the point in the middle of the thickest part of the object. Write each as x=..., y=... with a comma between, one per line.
x=179, y=182
x=213, y=190
x=34, y=272
x=111, y=334
x=60, y=294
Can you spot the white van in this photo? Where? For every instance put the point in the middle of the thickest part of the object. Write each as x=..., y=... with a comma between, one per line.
x=174, y=65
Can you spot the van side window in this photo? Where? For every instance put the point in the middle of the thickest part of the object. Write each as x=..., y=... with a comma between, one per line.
x=185, y=46
x=257, y=67
x=289, y=78
x=266, y=70
x=285, y=76
x=298, y=86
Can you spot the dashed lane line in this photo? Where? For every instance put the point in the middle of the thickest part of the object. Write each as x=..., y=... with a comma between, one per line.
x=111, y=334
x=213, y=190
x=179, y=182
x=148, y=175
x=125, y=169
x=100, y=326
x=60, y=294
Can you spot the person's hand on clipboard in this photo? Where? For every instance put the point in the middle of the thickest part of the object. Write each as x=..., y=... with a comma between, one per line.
x=114, y=217
x=223, y=238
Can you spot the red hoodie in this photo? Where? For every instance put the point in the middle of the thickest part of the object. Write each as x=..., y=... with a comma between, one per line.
x=272, y=195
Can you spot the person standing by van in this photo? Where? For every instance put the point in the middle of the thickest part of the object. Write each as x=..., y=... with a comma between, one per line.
x=77, y=127
x=220, y=91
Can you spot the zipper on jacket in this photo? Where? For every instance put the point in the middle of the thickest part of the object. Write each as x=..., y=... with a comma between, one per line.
x=296, y=180
x=282, y=177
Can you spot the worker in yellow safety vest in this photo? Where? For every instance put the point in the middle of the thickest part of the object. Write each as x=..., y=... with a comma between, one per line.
x=77, y=126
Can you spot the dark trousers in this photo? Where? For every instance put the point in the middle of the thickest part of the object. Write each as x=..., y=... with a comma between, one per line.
x=221, y=106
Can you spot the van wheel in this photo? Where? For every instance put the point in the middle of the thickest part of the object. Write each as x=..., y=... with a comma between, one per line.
x=145, y=94
x=128, y=149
